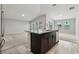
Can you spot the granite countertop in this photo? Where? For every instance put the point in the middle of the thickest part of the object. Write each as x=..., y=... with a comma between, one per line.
x=43, y=32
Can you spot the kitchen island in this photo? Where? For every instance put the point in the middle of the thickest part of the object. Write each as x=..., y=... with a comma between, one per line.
x=43, y=42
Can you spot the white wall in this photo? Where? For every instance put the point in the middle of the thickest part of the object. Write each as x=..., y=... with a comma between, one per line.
x=0, y=19
x=77, y=23
x=15, y=26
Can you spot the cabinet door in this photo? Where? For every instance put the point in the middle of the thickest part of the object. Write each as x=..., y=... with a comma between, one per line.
x=35, y=43
x=52, y=39
x=44, y=43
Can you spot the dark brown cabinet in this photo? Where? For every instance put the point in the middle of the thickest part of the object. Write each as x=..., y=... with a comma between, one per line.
x=41, y=43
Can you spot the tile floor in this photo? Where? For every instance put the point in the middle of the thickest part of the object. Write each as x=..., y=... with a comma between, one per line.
x=64, y=47
x=20, y=44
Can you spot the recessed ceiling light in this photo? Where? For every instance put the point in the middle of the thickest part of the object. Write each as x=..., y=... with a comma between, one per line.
x=22, y=15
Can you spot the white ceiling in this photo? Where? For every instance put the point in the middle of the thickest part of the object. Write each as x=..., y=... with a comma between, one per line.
x=14, y=11
x=60, y=11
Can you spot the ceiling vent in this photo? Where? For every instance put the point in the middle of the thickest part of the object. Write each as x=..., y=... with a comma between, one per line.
x=71, y=8
x=53, y=5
